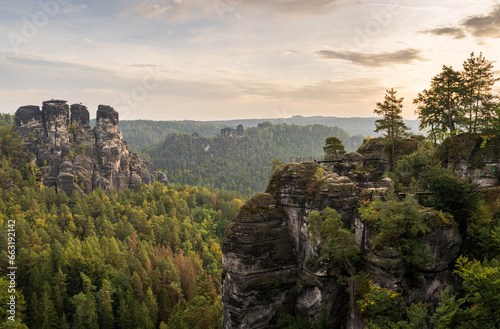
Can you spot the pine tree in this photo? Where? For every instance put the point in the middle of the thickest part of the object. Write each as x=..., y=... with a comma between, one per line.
x=430, y=114
x=478, y=80
x=176, y=320
x=447, y=88
x=333, y=147
x=392, y=121
x=106, y=318
x=85, y=312
x=60, y=295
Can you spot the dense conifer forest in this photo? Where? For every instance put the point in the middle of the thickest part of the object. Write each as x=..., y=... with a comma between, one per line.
x=149, y=259
x=240, y=163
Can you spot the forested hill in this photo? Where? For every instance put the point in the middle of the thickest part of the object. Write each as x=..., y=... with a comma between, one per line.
x=354, y=126
x=139, y=133
x=240, y=163
x=122, y=259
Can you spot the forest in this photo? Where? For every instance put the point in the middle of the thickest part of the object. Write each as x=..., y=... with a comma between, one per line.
x=139, y=133
x=240, y=163
x=149, y=259
x=152, y=259
x=463, y=114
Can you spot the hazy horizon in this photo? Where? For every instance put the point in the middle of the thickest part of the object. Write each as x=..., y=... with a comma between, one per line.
x=211, y=60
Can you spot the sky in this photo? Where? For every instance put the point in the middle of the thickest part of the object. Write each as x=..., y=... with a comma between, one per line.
x=235, y=59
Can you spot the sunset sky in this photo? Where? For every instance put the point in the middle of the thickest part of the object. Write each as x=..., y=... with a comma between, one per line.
x=229, y=59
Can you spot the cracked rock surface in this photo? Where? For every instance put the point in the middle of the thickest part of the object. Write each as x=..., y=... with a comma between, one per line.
x=73, y=156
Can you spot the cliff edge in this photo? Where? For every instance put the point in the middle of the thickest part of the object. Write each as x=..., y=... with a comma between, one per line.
x=73, y=156
x=272, y=268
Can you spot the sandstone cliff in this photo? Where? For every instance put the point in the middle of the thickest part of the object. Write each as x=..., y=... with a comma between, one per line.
x=474, y=157
x=74, y=156
x=271, y=266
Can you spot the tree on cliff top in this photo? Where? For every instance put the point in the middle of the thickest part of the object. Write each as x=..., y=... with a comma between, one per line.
x=392, y=121
x=478, y=80
x=460, y=100
x=333, y=147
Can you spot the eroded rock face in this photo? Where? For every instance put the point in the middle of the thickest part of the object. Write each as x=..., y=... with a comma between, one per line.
x=73, y=156
x=474, y=157
x=271, y=266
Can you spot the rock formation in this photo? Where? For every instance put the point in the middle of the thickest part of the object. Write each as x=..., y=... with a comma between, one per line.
x=271, y=266
x=230, y=132
x=73, y=156
x=474, y=157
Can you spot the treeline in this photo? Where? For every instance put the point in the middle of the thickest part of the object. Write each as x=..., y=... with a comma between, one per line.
x=460, y=101
x=149, y=259
x=240, y=163
x=139, y=133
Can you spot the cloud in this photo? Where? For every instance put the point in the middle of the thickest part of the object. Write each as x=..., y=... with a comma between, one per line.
x=479, y=26
x=29, y=61
x=405, y=56
x=147, y=10
x=484, y=25
x=290, y=7
x=72, y=8
x=87, y=41
x=455, y=32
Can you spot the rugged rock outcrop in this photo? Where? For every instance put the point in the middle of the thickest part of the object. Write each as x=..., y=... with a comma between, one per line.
x=271, y=266
x=230, y=132
x=474, y=157
x=73, y=156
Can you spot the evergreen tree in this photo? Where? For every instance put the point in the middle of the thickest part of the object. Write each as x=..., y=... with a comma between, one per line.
x=176, y=319
x=106, y=317
x=392, y=121
x=430, y=113
x=447, y=87
x=333, y=147
x=85, y=316
x=478, y=80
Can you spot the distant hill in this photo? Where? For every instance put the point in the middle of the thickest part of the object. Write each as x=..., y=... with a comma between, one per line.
x=139, y=133
x=240, y=163
x=353, y=126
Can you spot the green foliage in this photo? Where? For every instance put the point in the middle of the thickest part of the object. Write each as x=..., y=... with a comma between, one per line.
x=238, y=163
x=484, y=230
x=286, y=321
x=392, y=121
x=478, y=102
x=6, y=119
x=480, y=305
x=277, y=165
x=447, y=310
x=326, y=229
x=139, y=133
x=333, y=147
x=460, y=100
x=383, y=308
x=14, y=169
x=399, y=225
x=451, y=194
x=380, y=306
x=410, y=168
x=115, y=260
